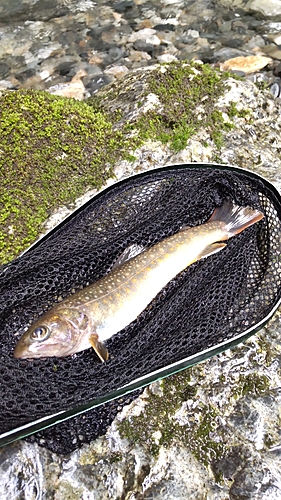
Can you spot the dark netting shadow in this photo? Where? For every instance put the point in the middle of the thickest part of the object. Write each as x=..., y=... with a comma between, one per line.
x=210, y=303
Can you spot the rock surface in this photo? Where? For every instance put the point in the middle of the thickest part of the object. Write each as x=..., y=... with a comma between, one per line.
x=212, y=431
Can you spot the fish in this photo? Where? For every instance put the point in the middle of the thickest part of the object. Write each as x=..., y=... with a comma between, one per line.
x=91, y=316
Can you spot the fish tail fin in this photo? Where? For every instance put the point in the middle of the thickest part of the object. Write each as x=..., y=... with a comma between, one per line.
x=236, y=218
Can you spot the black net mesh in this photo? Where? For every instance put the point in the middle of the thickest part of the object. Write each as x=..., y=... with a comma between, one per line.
x=210, y=302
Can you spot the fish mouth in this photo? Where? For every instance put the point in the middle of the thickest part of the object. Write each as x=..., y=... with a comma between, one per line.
x=20, y=348
x=17, y=352
x=24, y=351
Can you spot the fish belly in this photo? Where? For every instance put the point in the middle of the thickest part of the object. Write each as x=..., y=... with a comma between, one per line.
x=144, y=276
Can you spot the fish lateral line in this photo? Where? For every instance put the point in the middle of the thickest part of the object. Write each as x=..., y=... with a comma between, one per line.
x=117, y=269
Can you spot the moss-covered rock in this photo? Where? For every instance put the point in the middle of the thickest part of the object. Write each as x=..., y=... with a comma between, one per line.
x=158, y=424
x=53, y=149
x=171, y=103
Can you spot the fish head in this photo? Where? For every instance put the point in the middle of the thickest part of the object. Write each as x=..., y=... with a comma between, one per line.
x=56, y=333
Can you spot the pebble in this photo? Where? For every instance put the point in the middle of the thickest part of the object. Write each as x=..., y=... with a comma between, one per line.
x=254, y=43
x=46, y=46
x=273, y=51
x=137, y=56
x=277, y=40
x=74, y=89
x=117, y=71
x=275, y=89
x=166, y=58
x=266, y=7
x=143, y=34
x=6, y=84
x=249, y=64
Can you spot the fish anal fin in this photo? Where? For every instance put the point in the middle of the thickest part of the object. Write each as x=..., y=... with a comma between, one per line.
x=99, y=347
x=210, y=249
x=129, y=253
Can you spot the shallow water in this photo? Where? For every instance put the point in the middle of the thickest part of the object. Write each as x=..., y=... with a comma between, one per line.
x=45, y=43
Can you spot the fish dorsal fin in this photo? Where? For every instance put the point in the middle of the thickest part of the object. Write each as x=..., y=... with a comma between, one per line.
x=129, y=253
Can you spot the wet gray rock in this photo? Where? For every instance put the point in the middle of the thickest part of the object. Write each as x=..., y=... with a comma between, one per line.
x=143, y=46
x=254, y=42
x=272, y=51
x=226, y=53
x=4, y=70
x=275, y=89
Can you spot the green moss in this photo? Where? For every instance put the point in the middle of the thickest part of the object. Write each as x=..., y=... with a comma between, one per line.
x=216, y=158
x=52, y=149
x=158, y=415
x=92, y=457
x=253, y=383
x=270, y=440
x=262, y=85
x=205, y=449
x=196, y=430
x=267, y=348
x=130, y=158
x=233, y=111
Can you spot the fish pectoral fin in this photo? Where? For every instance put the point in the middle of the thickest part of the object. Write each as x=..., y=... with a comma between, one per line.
x=210, y=249
x=99, y=347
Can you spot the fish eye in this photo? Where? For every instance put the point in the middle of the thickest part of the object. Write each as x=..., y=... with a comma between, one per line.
x=40, y=334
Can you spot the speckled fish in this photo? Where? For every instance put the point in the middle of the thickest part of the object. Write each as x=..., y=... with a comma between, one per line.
x=93, y=315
